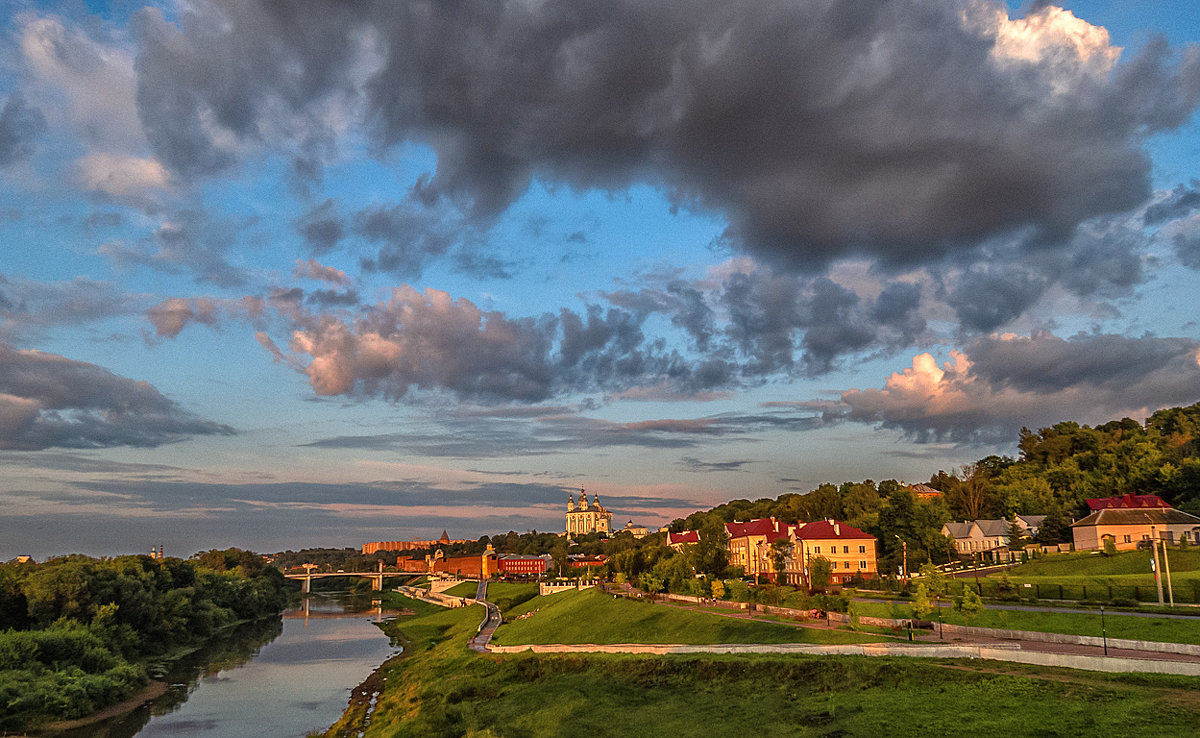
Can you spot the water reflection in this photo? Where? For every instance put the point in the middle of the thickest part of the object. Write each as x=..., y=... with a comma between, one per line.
x=283, y=677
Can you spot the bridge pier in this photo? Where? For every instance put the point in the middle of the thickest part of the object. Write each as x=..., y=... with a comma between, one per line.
x=307, y=587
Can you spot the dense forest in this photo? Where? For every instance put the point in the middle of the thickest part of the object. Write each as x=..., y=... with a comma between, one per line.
x=76, y=633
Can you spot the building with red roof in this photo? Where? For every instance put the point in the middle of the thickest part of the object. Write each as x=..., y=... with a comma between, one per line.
x=679, y=540
x=750, y=545
x=849, y=551
x=1127, y=502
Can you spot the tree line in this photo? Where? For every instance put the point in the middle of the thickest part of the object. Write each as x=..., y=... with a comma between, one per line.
x=76, y=632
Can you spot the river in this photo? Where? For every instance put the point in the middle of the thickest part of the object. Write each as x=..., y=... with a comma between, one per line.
x=279, y=678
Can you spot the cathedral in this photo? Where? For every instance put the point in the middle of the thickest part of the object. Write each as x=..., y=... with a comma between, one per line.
x=585, y=517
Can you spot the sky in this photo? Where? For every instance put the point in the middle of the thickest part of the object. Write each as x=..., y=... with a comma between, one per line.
x=289, y=274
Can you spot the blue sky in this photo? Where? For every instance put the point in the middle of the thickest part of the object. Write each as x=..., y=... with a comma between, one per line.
x=277, y=277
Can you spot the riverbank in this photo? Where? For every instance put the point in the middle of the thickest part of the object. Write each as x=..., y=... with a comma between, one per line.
x=150, y=692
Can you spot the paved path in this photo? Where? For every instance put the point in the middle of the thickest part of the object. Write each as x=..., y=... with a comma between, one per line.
x=931, y=637
x=491, y=621
x=1052, y=608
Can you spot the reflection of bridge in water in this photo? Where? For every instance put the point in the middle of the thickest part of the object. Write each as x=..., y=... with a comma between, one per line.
x=376, y=610
x=376, y=577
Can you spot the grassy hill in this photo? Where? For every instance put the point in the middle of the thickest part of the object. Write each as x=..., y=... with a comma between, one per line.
x=1085, y=563
x=1121, y=572
x=590, y=616
x=439, y=688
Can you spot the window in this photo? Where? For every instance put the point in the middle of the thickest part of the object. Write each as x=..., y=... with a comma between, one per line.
x=816, y=549
x=845, y=564
x=862, y=549
x=1127, y=539
x=845, y=549
x=862, y=565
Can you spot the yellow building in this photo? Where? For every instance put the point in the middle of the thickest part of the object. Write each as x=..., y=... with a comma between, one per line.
x=584, y=518
x=849, y=550
x=749, y=545
x=1129, y=526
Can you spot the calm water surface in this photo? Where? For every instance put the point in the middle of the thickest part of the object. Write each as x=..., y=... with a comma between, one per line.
x=266, y=680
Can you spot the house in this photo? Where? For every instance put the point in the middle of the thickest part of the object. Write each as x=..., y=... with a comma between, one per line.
x=989, y=537
x=924, y=492
x=1127, y=527
x=638, y=531
x=849, y=551
x=749, y=545
x=678, y=540
x=1126, y=502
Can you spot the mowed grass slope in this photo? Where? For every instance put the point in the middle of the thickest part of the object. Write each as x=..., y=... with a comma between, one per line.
x=439, y=688
x=590, y=616
x=1084, y=622
x=1126, y=569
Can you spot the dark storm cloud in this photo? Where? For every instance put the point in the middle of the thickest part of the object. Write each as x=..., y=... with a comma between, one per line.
x=997, y=385
x=1115, y=364
x=321, y=228
x=50, y=401
x=988, y=296
x=818, y=129
x=20, y=125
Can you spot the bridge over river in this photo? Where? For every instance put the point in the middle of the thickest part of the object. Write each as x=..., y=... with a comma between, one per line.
x=376, y=577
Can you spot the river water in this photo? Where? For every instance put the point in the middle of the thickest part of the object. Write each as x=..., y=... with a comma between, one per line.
x=276, y=678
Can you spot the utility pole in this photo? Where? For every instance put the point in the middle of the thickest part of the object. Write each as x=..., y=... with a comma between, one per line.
x=1157, y=576
x=1167, y=571
x=903, y=543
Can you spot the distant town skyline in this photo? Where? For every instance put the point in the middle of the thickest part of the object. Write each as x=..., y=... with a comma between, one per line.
x=277, y=276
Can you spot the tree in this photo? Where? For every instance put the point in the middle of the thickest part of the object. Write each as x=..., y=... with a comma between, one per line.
x=921, y=605
x=718, y=589
x=1015, y=535
x=820, y=572
x=781, y=551
x=1055, y=528
x=970, y=605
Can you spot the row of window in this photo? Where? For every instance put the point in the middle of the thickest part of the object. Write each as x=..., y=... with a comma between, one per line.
x=845, y=549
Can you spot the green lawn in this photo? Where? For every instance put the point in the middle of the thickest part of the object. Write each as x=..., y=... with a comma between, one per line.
x=590, y=616
x=1080, y=623
x=466, y=589
x=439, y=688
x=507, y=595
x=1085, y=563
x=1105, y=577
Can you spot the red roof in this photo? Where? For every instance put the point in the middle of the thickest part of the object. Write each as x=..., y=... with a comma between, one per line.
x=688, y=536
x=1126, y=501
x=770, y=528
x=825, y=529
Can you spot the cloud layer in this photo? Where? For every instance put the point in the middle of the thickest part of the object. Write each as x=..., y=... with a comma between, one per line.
x=818, y=129
x=50, y=401
x=1000, y=383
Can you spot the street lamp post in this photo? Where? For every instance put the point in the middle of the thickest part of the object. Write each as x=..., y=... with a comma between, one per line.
x=904, y=544
x=1103, y=630
x=1157, y=570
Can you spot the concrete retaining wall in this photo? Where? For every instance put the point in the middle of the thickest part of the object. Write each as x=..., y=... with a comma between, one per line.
x=547, y=589
x=991, y=652
x=1029, y=635
x=435, y=598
